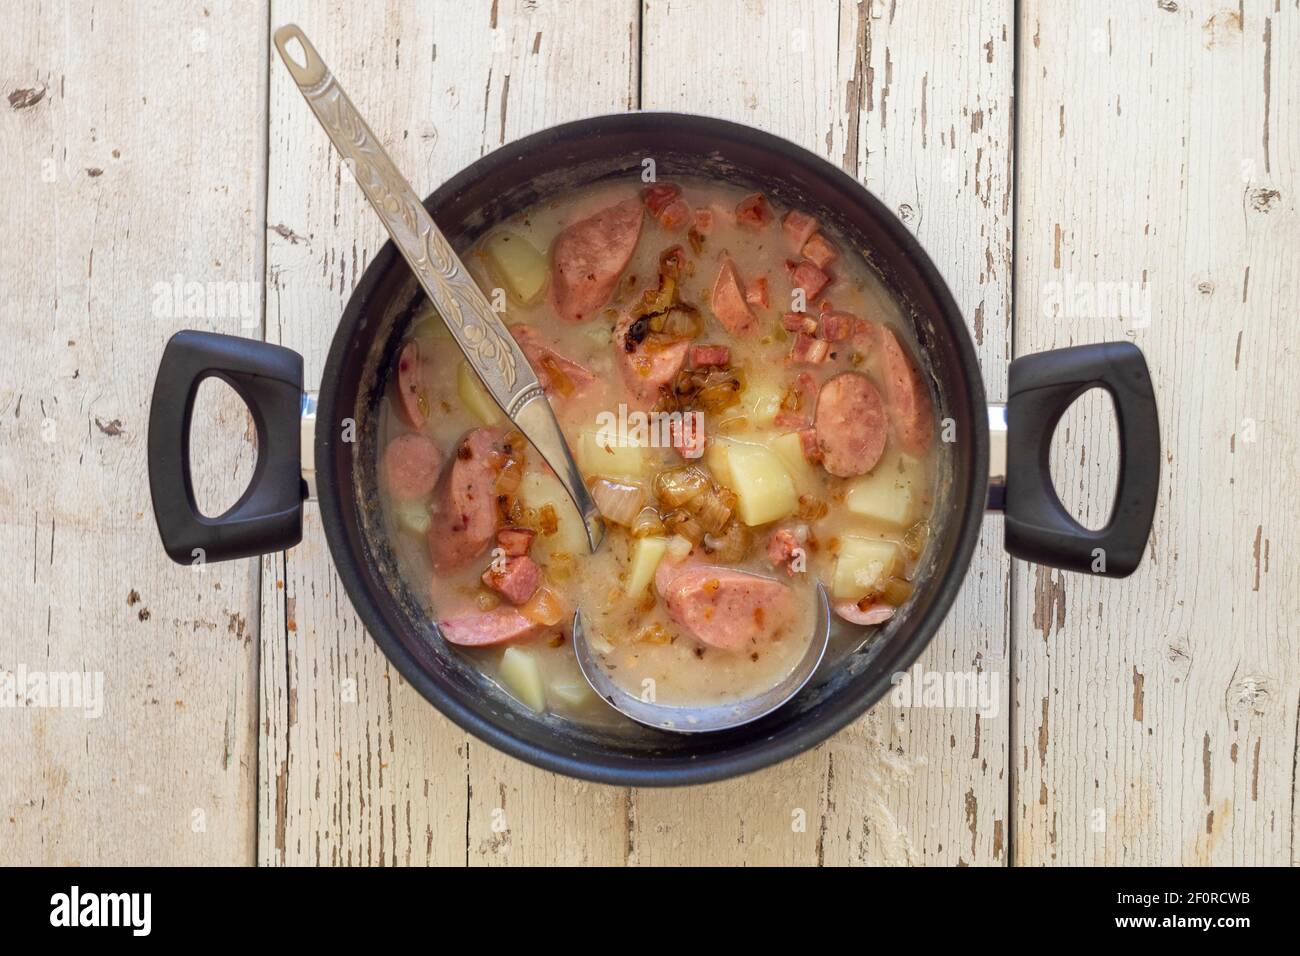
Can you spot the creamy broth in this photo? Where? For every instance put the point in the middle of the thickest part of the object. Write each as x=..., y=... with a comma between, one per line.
x=720, y=541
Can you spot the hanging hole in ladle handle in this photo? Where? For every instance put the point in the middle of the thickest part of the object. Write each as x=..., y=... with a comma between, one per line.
x=304, y=63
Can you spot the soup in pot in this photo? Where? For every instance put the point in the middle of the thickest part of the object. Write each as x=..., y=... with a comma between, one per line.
x=742, y=397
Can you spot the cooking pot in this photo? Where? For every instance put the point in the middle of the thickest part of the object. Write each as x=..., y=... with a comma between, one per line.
x=990, y=456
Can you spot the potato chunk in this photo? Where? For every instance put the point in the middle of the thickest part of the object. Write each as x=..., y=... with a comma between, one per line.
x=522, y=676
x=647, y=552
x=862, y=566
x=517, y=263
x=887, y=495
x=761, y=482
x=539, y=491
x=601, y=455
x=790, y=450
x=475, y=397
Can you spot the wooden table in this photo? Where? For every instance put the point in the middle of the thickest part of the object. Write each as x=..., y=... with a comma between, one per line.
x=1050, y=156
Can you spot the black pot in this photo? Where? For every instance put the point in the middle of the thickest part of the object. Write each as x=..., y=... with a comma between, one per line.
x=270, y=379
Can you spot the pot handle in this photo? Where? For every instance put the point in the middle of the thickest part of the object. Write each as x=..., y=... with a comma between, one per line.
x=268, y=516
x=1040, y=388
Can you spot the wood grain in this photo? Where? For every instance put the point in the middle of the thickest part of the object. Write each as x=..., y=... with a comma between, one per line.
x=1156, y=717
x=1152, y=720
x=356, y=767
x=115, y=189
x=915, y=100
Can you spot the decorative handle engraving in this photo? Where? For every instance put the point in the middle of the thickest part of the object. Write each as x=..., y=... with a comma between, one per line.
x=482, y=336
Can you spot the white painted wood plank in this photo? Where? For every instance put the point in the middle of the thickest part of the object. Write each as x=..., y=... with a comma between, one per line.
x=1156, y=717
x=118, y=180
x=387, y=779
x=916, y=101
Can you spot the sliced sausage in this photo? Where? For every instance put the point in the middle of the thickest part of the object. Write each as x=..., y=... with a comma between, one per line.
x=798, y=228
x=557, y=375
x=588, y=257
x=872, y=614
x=410, y=466
x=728, y=609
x=728, y=300
x=410, y=386
x=485, y=628
x=906, y=396
x=647, y=365
x=515, y=579
x=466, y=518
x=851, y=425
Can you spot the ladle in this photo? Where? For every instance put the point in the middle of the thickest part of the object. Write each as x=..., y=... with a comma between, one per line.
x=493, y=353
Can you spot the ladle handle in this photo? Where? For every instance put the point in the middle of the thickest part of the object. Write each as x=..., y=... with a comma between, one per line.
x=489, y=347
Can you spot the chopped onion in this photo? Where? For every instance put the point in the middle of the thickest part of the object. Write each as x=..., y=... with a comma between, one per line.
x=647, y=523
x=679, y=485
x=712, y=510
x=544, y=608
x=685, y=524
x=730, y=546
x=896, y=591
x=619, y=501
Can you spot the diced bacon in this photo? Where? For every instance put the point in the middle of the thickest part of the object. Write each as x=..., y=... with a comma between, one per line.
x=820, y=250
x=515, y=542
x=756, y=292
x=687, y=436
x=790, y=421
x=710, y=355
x=675, y=215
x=798, y=227
x=753, y=212
x=785, y=544
x=808, y=443
x=836, y=326
x=799, y=322
x=808, y=350
x=658, y=196
x=807, y=386
x=704, y=221
x=515, y=578
x=805, y=275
